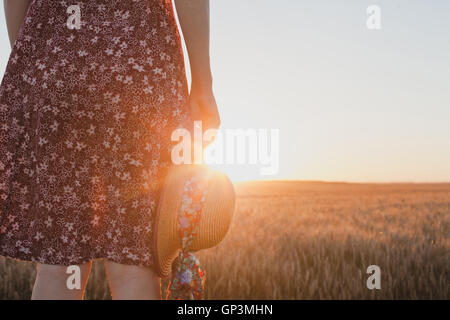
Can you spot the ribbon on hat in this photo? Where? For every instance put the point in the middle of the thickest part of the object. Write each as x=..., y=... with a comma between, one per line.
x=188, y=278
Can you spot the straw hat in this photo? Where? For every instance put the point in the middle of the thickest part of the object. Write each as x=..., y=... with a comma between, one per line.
x=216, y=213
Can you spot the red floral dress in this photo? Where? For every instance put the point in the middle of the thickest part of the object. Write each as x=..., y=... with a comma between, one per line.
x=86, y=115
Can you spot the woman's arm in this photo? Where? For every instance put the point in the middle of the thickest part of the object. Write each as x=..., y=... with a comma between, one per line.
x=15, y=11
x=194, y=22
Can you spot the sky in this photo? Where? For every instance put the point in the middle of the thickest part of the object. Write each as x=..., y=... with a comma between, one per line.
x=351, y=104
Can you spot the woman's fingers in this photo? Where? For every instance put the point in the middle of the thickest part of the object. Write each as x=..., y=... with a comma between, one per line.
x=204, y=108
x=213, y=118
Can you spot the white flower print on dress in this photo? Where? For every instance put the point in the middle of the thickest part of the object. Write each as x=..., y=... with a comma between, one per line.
x=86, y=117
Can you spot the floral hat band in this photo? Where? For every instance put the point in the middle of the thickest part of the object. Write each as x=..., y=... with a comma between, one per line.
x=194, y=213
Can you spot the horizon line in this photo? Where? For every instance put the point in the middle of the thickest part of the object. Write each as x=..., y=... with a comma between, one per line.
x=343, y=182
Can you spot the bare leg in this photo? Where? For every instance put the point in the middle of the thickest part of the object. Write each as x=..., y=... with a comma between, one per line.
x=132, y=282
x=51, y=283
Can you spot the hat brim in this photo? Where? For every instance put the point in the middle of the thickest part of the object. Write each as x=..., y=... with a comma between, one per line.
x=165, y=250
x=216, y=214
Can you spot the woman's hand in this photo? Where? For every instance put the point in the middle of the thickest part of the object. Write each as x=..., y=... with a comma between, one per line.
x=204, y=107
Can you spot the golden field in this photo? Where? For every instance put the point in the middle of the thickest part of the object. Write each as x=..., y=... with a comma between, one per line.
x=314, y=240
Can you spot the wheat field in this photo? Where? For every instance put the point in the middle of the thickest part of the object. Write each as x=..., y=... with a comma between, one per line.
x=314, y=240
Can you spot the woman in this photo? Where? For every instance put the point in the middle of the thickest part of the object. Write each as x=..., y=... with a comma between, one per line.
x=91, y=93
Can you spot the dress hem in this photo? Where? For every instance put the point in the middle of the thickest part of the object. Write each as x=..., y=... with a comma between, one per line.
x=76, y=261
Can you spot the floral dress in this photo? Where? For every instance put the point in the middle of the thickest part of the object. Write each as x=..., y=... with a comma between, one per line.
x=92, y=92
